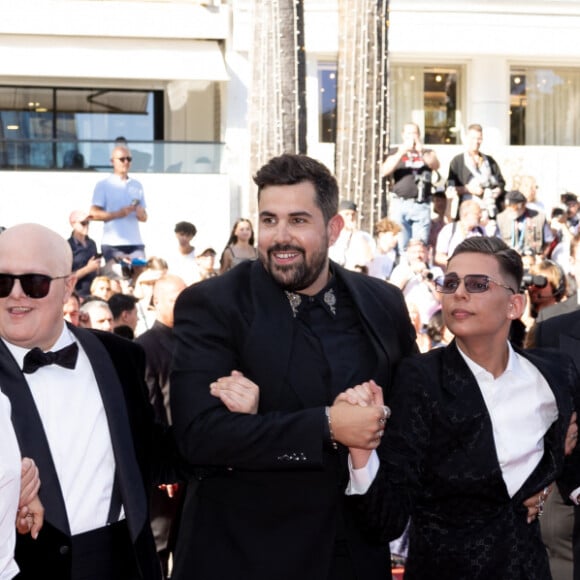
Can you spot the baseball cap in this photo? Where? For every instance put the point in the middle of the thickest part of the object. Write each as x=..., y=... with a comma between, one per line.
x=78, y=215
x=515, y=197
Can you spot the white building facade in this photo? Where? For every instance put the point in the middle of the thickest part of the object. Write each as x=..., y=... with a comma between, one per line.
x=173, y=77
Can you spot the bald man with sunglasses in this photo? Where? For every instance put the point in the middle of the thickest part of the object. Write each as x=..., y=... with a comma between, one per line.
x=80, y=410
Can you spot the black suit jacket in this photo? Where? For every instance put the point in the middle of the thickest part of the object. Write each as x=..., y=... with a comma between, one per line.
x=119, y=369
x=440, y=467
x=273, y=500
x=564, y=307
x=563, y=333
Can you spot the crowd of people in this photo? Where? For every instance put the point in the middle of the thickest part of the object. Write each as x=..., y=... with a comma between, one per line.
x=273, y=412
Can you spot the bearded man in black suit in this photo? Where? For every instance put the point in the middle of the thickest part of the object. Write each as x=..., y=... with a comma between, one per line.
x=80, y=410
x=261, y=354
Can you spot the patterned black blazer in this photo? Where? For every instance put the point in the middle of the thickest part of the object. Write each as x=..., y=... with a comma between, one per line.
x=439, y=466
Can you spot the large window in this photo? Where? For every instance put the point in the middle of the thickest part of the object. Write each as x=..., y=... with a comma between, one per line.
x=327, y=78
x=544, y=105
x=428, y=96
x=39, y=127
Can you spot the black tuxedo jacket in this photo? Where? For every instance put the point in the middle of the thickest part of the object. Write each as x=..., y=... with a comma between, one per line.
x=119, y=368
x=273, y=500
x=439, y=466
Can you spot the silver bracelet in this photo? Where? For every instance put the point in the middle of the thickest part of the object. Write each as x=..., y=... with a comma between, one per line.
x=332, y=440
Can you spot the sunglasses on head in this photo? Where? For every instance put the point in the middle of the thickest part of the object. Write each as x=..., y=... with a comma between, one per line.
x=123, y=159
x=474, y=284
x=33, y=285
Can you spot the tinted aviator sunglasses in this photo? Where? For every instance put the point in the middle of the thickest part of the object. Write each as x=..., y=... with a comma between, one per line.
x=33, y=285
x=474, y=284
x=123, y=159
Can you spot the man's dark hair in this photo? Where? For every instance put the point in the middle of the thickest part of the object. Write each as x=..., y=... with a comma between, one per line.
x=119, y=303
x=510, y=262
x=186, y=228
x=290, y=169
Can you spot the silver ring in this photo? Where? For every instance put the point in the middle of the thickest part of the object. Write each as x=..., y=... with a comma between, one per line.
x=386, y=412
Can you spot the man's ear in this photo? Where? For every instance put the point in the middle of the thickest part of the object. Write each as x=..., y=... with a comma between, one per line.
x=516, y=306
x=334, y=227
x=69, y=286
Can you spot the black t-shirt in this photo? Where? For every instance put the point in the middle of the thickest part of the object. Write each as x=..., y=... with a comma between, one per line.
x=407, y=173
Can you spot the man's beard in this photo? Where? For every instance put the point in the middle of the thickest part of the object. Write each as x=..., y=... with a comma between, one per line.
x=296, y=277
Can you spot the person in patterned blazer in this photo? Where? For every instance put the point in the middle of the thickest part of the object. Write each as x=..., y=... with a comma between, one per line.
x=478, y=432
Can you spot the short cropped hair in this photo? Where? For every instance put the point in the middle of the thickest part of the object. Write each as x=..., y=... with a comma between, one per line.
x=119, y=303
x=186, y=228
x=290, y=169
x=509, y=261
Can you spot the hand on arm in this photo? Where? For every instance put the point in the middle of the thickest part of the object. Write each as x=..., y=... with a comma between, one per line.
x=237, y=393
x=535, y=504
x=99, y=214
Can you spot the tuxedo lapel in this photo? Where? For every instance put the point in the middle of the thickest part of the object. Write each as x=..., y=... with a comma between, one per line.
x=466, y=410
x=32, y=438
x=127, y=470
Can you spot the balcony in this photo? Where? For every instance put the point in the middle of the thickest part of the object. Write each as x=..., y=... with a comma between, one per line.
x=148, y=156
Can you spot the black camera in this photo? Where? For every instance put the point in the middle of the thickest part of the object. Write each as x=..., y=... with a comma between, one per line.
x=533, y=280
x=489, y=196
x=423, y=181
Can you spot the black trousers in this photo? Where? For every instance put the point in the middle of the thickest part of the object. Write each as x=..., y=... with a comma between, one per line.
x=106, y=553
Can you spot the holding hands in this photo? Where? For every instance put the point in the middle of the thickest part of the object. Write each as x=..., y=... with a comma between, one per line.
x=30, y=516
x=358, y=418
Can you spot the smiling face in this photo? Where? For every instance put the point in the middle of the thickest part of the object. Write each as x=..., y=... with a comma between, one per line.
x=30, y=322
x=243, y=231
x=482, y=317
x=293, y=239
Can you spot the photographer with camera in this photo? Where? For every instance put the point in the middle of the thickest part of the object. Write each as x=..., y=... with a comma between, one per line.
x=416, y=279
x=473, y=174
x=521, y=227
x=410, y=168
x=545, y=284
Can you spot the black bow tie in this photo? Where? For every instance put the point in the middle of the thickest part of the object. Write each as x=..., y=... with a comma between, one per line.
x=65, y=357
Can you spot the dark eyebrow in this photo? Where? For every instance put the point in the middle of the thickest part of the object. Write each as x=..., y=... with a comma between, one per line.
x=292, y=214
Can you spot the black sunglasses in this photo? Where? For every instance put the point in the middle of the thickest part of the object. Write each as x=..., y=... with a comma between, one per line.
x=33, y=285
x=123, y=159
x=474, y=284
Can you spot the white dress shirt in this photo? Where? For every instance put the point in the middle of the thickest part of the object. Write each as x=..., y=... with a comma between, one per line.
x=9, y=490
x=74, y=420
x=522, y=407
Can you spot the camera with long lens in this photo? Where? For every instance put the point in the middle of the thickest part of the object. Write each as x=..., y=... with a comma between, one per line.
x=489, y=197
x=423, y=181
x=533, y=280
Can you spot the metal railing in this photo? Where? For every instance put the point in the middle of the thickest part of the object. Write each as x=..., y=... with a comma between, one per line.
x=148, y=156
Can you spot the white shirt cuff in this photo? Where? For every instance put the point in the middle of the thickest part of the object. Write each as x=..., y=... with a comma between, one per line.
x=575, y=496
x=361, y=479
